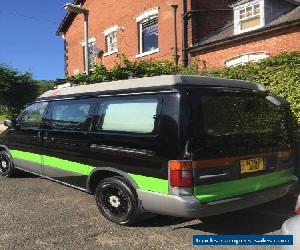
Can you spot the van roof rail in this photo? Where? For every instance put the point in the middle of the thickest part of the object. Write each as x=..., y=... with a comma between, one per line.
x=156, y=82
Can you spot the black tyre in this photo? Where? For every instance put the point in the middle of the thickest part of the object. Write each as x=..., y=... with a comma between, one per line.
x=6, y=165
x=117, y=201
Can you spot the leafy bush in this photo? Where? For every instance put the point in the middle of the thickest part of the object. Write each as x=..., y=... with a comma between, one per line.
x=280, y=74
x=127, y=69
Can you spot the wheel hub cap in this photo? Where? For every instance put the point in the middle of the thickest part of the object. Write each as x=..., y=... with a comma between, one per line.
x=4, y=165
x=114, y=201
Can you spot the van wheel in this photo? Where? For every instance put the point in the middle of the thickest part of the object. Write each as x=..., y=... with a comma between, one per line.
x=6, y=165
x=117, y=201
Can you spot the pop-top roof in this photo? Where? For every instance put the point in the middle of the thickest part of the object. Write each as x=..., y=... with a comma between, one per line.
x=148, y=83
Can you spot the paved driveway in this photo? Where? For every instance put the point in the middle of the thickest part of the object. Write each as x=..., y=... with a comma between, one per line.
x=2, y=127
x=39, y=214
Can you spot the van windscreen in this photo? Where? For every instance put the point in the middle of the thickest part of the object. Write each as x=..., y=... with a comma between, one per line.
x=229, y=122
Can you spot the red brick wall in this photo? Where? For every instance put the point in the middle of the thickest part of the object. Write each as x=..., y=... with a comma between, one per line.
x=209, y=19
x=106, y=13
x=275, y=42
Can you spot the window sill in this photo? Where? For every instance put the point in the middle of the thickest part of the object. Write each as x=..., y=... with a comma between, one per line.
x=147, y=53
x=239, y=31
x=110, y=53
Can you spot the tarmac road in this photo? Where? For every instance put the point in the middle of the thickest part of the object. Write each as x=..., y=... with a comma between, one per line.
x=37, y=213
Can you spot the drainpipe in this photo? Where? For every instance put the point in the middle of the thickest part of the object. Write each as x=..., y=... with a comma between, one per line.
x=175, y=52
x=185, y=59
x=86, y=48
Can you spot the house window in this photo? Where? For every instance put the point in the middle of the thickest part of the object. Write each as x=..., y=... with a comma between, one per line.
x=249, y=16
x=92, y=54
x=148, y=32
x=246, y=58
x=111, y=40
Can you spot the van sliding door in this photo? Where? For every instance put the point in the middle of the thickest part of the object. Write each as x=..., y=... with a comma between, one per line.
x=66, y=142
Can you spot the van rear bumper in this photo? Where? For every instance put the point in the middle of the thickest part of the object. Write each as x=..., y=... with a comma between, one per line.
x=190, y=207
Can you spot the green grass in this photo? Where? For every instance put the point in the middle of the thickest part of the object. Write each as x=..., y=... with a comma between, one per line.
x=4, y=117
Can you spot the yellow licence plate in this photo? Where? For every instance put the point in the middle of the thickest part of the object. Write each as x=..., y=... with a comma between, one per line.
x=252, y=165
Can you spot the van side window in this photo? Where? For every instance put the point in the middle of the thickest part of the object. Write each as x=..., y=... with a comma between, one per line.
x=70, y=114
x=127, y=115
x=32, y=116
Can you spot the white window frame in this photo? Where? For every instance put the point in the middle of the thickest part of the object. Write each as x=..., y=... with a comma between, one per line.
x=246, y=58
x=109, y=31
x=143, y=17
x=92, y=40
x=237, y=19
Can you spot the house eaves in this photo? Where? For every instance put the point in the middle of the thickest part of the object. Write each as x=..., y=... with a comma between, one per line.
x=68, y=19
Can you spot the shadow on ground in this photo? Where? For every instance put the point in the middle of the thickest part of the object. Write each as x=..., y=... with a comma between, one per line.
x=23, y=174
x=261, y=219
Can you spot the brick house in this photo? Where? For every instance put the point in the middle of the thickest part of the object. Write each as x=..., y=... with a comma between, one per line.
x=255, y=29
x=138, y=29
x=213, y=33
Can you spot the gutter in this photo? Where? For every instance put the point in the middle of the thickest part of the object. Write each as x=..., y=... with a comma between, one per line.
x=190, y=12
x=68, y=16
x=225, y=41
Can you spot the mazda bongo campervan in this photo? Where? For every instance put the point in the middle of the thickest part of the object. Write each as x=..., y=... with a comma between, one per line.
x=183, y=146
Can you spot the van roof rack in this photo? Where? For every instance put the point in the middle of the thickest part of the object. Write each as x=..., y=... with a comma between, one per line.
x=153, y=82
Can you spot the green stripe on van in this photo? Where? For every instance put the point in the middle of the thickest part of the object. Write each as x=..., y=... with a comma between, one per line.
x=151, y=184
x=53, y=162
x=36, y=158
x=235, y=188
x=143, y=182
x=67, y=165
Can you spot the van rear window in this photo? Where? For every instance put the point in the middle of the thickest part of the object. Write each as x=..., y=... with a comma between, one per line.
x=226, y=120
x=240, y=114
x=127, y=115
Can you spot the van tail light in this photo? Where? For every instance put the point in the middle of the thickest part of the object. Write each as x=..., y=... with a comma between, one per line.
x=297, y=208
x=181, y=174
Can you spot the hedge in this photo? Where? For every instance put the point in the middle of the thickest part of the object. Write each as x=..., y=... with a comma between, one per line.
x=127, y=69
x=280, y=74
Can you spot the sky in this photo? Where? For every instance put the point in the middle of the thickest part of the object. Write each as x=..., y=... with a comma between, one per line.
x=27, y=37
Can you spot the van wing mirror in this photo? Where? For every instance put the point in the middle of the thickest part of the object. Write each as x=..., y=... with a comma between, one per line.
x=8, y=123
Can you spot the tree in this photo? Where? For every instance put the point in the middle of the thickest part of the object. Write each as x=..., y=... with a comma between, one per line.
x=17, y=89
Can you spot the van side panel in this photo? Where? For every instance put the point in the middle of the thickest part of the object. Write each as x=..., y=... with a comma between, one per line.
x=71, y=156
x=143, y=156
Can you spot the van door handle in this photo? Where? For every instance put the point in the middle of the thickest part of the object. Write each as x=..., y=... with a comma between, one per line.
x=46, y=139
x=38, y=136
x=46, y=136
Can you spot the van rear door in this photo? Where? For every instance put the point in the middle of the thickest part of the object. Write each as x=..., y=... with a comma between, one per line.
x=241, y=142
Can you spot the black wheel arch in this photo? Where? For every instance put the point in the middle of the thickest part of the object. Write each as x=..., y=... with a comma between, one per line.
x=4, y=148
x=101, y=173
